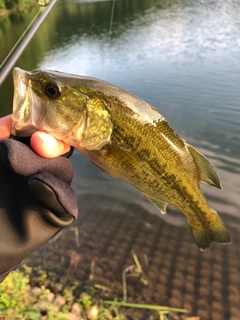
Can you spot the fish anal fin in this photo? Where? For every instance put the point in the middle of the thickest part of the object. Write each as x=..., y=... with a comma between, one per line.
x=161, y=205
x=206, y=170
x=215, y=233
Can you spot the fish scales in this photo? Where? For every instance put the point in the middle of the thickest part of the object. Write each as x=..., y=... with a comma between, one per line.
x=125, y=137
x=159, y=163
x=159, y=157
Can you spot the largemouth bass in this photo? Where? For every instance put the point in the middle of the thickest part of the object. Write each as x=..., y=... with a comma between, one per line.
x=125, y=137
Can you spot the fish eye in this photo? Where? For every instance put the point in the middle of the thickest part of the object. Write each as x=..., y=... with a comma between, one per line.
x=52, y=91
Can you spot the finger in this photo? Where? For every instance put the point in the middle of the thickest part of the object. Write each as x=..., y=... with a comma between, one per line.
x=47, y=146
x=5, y=127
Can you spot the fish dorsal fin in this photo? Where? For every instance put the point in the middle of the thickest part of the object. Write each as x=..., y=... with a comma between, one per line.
x=206, y=170
x=161, y=205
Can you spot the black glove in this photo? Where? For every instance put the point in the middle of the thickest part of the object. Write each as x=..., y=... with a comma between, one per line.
x=36, y=201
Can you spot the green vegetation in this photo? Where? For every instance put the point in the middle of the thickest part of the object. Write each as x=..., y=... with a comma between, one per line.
x=20, y=300
x=6, y=5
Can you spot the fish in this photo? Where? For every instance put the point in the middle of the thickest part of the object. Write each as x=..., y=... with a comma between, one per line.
x=124, y=136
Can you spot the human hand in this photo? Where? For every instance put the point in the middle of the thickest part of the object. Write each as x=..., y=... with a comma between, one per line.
x=36, y=200
x=41, y=142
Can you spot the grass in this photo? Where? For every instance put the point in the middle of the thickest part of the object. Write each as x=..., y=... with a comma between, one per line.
x=19, y=301
x=135, y=269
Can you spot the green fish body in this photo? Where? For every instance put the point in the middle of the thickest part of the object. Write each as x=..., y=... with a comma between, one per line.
x=125, y=137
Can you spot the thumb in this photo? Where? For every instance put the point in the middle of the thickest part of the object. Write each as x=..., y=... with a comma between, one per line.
x=47, y=146
x=54, y=194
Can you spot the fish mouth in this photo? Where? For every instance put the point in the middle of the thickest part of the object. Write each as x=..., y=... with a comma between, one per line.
x=23, y=108
x=21, y=83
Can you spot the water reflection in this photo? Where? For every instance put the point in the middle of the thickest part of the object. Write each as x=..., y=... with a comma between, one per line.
x=167, y=57
x=183, y=58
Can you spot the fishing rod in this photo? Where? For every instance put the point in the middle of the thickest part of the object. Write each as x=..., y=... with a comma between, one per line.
x=9, y=65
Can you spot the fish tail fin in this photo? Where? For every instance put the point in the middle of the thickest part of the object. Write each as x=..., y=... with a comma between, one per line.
x=217, y=232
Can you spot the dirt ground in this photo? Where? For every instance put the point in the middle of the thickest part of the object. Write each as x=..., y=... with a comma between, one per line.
x=102, y=244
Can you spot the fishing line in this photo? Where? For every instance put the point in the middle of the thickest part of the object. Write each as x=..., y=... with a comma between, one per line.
x=109, y=35
x=21, y=37
x=111, y=22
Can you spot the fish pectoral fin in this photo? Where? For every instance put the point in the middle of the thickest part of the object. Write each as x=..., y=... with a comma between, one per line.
x=206, y=170
x=215, y=233
x=161, y=205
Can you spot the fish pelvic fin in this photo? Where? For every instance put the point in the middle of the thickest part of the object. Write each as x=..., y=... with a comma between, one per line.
x=206, y=170
x=206, y=235
x=161, y=205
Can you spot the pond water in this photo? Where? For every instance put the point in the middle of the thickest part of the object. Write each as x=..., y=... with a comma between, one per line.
x=183, y=57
